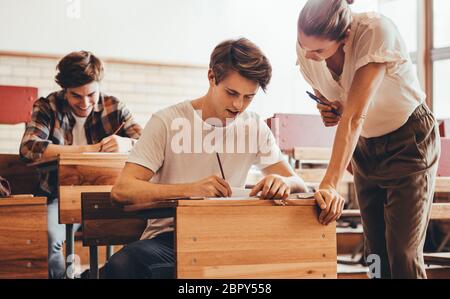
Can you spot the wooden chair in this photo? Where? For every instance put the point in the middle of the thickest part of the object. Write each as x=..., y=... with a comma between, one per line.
x=311, y=164
x=106, y=224
x=17, y=103
x=22, y=179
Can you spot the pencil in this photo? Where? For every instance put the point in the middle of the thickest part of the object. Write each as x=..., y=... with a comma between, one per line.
x=220, y=165
x=119, y=128
x=115, y=132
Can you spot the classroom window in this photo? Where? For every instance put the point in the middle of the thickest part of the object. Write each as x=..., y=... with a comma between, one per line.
x=404, y=15
x=441, y=89
x=402, y=12
x=441, y=13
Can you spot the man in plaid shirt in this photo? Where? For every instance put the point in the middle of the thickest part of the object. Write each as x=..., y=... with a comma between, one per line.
x=79, y=118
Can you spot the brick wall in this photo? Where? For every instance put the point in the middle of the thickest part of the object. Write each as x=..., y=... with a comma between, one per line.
x=145, y=88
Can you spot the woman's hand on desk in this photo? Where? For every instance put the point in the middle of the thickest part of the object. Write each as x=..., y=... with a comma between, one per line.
x=329, y=118
x=212, y=186
x=331, y=203
x=272, y=186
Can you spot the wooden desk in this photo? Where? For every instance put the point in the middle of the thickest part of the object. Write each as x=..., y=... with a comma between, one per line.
x=226, y=238
x=77, y=173
x=23, y=237
x=442, y=185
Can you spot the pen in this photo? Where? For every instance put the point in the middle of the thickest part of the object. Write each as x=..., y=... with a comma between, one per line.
x=315, y=98
x=220, y=165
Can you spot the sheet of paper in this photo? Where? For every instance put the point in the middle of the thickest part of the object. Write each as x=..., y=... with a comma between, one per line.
x=237, y=193
x=240, y=192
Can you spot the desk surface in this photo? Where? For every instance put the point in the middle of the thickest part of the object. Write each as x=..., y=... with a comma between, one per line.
x=442, y=185
x=21, y=201
x=81, y=157
x=215, y=202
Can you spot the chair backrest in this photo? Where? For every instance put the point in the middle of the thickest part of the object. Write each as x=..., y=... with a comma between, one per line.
x=106, y=223
x=444, y=128
x=311, y=164
x=23, y=179
x=17, y=104
x=444, y=161
x=299, y=130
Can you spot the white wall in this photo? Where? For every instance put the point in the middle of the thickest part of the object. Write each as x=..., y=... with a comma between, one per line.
x=163, y=31
x=166, y=31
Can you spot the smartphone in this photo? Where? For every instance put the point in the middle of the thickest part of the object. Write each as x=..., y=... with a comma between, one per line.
x=318, y=100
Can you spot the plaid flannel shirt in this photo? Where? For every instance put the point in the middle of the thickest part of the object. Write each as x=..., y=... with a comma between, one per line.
x=52, y=123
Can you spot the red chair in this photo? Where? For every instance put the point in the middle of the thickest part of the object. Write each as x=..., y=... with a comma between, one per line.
x=16, y=104
x=444, y=161
x=444, y=128
x=299, y=130
x=16, y=107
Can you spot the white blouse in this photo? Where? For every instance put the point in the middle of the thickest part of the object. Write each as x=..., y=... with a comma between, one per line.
x=373, y=38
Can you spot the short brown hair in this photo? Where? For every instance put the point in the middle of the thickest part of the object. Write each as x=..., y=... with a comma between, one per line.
x=79, y=68
x=329, y=19
x=242, y=56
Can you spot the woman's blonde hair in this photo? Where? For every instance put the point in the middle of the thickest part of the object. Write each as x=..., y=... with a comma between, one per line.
x=328, y=19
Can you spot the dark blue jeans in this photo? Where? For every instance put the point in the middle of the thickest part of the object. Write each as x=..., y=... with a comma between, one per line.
x=153, y=258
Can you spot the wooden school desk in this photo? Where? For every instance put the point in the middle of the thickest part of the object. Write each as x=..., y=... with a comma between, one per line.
x=77, y=173
x=223, y=238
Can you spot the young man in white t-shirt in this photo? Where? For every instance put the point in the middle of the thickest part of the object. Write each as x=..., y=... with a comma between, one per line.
x=179, y=151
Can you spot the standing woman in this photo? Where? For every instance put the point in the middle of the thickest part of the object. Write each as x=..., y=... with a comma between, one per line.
x=359, y=64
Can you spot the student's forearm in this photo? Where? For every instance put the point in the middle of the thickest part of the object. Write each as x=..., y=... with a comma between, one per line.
x=133, y=191
x=53, y=150
x=346, y=138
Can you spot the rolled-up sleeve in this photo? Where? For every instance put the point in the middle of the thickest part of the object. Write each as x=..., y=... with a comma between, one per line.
x=380, y=43
x=131, y=128
x=36, y=136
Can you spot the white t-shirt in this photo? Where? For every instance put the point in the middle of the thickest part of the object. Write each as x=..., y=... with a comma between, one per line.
x=373, y=38
x=78, y=131
x=179, y=147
